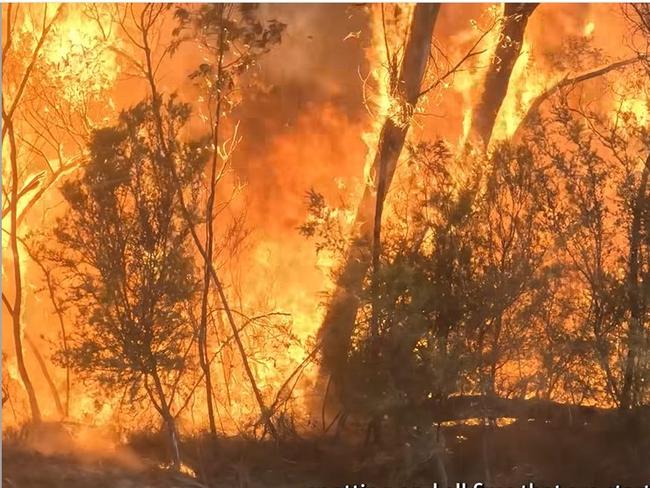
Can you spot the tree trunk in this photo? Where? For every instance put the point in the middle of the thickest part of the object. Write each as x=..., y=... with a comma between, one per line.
x=203, y=327
x=497, y=78
x=635, y=330
x=16, y=308
x=338, y=325
x=173, y=441
x=479, y=407
x=209, y=237
x=46, y=373
x=160, y=403
x=156, y=104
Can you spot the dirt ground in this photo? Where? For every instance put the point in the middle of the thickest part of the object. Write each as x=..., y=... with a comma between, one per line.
x=500, y=457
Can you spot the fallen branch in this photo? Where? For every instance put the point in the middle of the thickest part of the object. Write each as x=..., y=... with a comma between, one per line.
x=533, y=110
x=470, y=407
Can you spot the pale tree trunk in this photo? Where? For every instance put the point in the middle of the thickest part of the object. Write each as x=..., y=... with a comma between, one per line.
x=338, y=324
x=497, y=78
x=159, y=401
x=16, y=309
x=8, y=113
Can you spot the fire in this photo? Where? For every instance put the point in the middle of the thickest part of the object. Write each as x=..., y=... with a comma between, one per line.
x=282, y=272
x=635, y=107
x=80, y=54
x=527, y=81
x=468, y=81
x=387, y=33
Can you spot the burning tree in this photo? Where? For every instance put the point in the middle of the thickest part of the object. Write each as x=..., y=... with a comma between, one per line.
x=233, y=39
x=488, y=274
x=603, y=238
x=51, y=88
x=445, y=294
x=127, y=259
x=338, y=323
x=16, y=189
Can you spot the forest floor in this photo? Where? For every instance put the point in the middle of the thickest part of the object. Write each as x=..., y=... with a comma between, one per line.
x=516, y=454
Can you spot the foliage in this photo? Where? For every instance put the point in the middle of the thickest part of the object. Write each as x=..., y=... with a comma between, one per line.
x=127, y=261
x=509, y=273
x=233, y=38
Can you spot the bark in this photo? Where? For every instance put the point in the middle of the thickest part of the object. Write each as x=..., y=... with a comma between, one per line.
x=634, y=291
x=495, y=87
x=337, y=327
x=16, y=307
x=46, y=373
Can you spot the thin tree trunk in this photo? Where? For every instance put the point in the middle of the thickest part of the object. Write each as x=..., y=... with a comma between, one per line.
x=156, y=102
x=59, y=313
x=16, y=308
x=48, y=378
x=8, y=129
x=635, y=330
x=338, y=325
x=497, y=78
x=168, y=419
x=209, y=241
x=203, y=352
x=376, y=252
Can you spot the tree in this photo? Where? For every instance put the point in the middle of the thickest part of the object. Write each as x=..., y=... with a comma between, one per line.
x=234, y=39
x=495, y=85
x=127, y=257
x=458, y=255
x=338, y=324
x=10, y=103
x=50, y=107
x=510, y=249
x=592, y=159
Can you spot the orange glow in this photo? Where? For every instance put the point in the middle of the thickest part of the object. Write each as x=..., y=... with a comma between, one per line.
x=327, y=141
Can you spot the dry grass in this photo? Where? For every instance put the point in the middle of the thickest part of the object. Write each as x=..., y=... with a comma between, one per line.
x=518, y=453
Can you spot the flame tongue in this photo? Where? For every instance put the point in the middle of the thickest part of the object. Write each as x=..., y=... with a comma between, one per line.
x=80, y=67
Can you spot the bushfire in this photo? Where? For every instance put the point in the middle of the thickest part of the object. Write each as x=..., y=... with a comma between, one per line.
x=397, y=236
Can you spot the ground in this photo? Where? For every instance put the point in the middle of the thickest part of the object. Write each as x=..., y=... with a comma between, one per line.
x=517, y=454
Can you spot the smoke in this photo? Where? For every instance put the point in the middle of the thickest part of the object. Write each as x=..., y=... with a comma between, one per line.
x=89, y=445
x=302, y=117
x=301, y=126
x=301, y=120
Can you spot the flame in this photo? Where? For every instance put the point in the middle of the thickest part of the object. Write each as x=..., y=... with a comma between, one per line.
x=387, y=35
x=527, y=82
x=634, y=107
x=80, y=54
x=282, y=271
x=468, y=81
